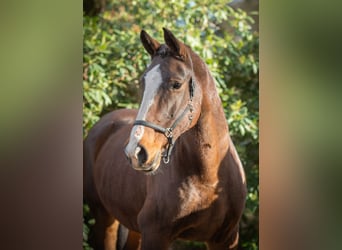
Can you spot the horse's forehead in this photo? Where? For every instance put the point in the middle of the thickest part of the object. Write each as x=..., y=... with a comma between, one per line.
x=153, y=73
x=168, y=67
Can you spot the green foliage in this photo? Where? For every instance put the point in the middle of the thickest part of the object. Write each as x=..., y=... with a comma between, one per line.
x=114, y=60
x=86, y=224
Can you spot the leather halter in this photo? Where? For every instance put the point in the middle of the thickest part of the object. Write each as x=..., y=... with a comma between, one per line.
x=168, y=132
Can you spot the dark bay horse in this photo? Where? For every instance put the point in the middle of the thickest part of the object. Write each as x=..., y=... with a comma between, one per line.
x=170, y=169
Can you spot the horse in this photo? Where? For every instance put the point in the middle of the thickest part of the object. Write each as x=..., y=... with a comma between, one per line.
x=168, y=170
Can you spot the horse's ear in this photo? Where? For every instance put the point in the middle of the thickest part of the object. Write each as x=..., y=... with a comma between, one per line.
x=151, y=45
x=174, y=44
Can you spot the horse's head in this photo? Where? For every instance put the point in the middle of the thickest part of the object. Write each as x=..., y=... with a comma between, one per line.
x=170, y=104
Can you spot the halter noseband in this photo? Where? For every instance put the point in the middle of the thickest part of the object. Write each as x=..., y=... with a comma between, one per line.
x=168, y=132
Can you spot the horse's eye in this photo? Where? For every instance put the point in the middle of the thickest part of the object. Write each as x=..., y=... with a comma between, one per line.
x=176, y=85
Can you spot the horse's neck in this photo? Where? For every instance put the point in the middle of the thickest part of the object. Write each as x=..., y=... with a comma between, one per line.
x=212, y=124
x=211, y=131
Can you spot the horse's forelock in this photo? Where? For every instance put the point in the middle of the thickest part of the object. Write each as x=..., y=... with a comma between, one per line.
x=163, y=51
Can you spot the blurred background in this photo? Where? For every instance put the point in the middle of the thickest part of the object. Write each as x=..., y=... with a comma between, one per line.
x=223, y=33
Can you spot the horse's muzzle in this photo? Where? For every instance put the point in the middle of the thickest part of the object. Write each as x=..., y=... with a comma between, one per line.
x=138, y=159
x=139, y=155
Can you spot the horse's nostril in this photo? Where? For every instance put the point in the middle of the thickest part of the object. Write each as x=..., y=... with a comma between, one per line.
x=141, y=154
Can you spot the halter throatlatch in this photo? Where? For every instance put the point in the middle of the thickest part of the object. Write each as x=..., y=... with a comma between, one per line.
x=168, y=132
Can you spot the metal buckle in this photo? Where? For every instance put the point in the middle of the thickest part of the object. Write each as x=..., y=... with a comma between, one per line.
x=191, y=107
x=168, y=133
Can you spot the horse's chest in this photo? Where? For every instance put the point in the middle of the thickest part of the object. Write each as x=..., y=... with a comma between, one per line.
x=194, y=197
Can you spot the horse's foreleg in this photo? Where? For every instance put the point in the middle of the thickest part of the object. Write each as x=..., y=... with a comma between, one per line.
x=132, y=241
x=104, y=232
x=155, y=231
x=110, y=240
x=154, y=242
x=235, y=242
x=232, y=243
